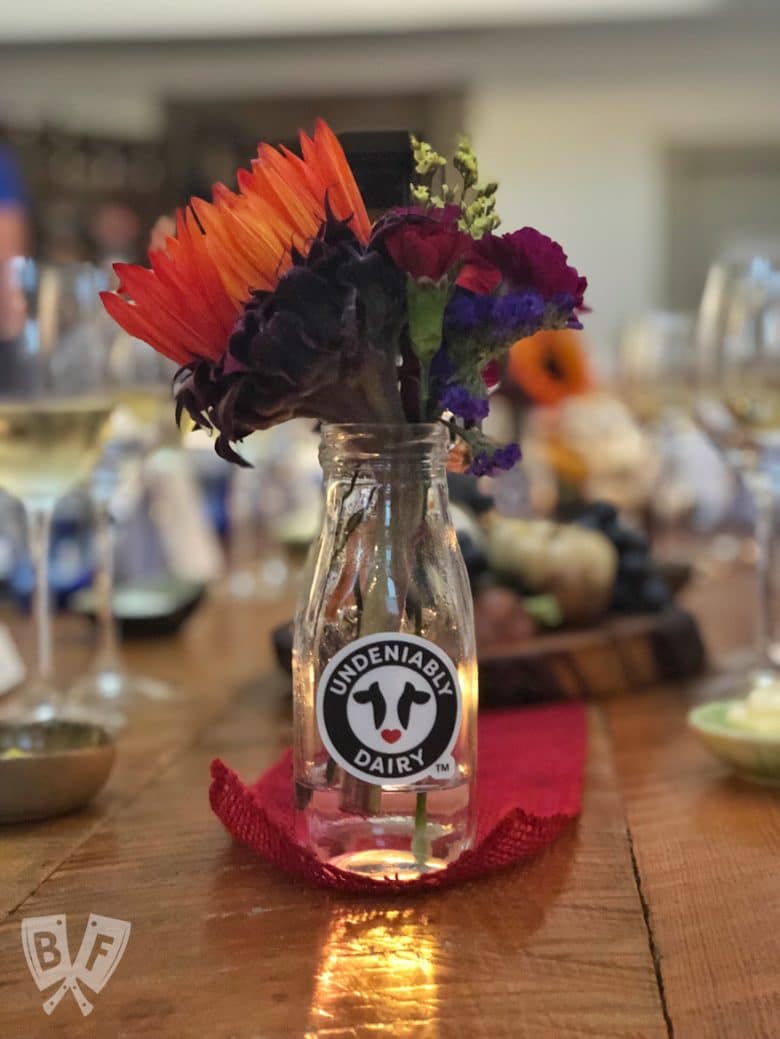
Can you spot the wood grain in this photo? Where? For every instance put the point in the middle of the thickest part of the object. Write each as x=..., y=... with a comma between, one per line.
x=205, y=661
x=224, y=946
x=656, y=916
x=706, y=846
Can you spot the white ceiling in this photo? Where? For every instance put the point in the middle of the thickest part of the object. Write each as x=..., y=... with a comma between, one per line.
x=98, y=19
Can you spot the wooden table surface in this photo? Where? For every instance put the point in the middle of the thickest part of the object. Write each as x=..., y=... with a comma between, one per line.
x=657, y=915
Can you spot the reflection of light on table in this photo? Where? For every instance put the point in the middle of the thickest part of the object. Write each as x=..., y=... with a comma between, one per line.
x=377, y=968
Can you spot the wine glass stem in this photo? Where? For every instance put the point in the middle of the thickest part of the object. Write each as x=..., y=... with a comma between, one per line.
x=39, y=527
x=763, y=498
x=107, y=657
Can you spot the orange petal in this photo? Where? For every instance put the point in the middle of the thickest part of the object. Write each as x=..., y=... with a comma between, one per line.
x=186, y=304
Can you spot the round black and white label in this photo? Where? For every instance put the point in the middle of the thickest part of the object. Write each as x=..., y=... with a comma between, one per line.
x=389, y=709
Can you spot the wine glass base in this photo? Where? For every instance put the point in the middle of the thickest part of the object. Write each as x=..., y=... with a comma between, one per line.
x=746, y=679
x=111, y=685
x=43, y=703
x=266, y=583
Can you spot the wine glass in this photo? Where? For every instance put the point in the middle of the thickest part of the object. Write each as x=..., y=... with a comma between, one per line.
x=274, y=508
x=656, y=367
x=54, y=407
x=738, y=340
x=139, y=381
x=692, y=489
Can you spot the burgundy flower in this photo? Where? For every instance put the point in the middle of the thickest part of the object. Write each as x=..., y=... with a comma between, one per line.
x=491, y=374
x=426, y=248
x=525, y=259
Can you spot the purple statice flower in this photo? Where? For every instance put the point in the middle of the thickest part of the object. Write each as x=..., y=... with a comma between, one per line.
x=487, y=464
x=519, y=310
x=467, y=312
x=560, y=311
x=442, y=367
x=464, y=405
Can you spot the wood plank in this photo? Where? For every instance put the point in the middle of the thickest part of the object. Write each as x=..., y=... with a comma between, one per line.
x=707, y=848
x=225, y=946
x=218, y=649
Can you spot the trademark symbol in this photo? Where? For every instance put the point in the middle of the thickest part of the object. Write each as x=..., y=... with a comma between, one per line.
x=443, y=766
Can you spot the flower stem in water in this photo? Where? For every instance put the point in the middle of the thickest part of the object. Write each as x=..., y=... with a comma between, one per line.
x=420, y=844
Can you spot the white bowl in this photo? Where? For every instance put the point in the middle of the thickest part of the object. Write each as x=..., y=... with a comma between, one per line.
x=755, y=756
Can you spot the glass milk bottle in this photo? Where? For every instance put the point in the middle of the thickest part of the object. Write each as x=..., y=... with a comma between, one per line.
x=384, y=661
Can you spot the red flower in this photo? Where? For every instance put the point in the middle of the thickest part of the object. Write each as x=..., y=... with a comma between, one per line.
x=425, y=247
x=525, y=259
x=491, y=374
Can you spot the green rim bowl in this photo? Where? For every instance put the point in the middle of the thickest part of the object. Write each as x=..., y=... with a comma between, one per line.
x=755, y=756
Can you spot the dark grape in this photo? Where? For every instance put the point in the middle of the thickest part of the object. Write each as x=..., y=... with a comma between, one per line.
x=655, y=594
x=639, y=588
x=589, y=521
x=465, y=491
x=633, y=562
x=473, y=556
x=627, y=540
x=623, y=599
x=604, y=512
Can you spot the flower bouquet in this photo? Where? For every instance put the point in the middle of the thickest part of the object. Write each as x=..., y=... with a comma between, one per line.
x=282, y=300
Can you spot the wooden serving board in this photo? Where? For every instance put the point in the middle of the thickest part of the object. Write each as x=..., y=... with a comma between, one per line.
x=621, y=655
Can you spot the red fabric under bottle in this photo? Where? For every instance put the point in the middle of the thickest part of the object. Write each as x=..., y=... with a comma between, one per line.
x=529, y=786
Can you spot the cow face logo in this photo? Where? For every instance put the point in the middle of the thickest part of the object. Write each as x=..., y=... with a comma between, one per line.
x=389, y=709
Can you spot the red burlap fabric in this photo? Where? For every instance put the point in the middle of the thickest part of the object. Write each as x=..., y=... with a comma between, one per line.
x=529, y=784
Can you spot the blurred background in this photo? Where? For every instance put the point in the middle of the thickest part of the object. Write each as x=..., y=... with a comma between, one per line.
x=642, y=134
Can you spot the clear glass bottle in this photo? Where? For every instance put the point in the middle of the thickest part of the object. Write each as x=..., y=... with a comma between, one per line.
x=384, y=660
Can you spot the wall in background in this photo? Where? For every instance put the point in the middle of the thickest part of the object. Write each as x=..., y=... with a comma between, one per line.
x=575, y=122
x=588, y=164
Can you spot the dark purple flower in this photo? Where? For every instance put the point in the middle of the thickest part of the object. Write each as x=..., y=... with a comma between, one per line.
x=464, y=405
x=446, y=216
x=330, y=328
x=487, y=464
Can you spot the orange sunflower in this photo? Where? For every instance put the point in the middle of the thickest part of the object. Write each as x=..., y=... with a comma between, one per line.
x=187, y=304
x=550, y=366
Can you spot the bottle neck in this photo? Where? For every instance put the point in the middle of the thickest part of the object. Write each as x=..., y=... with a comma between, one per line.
x=404, y=453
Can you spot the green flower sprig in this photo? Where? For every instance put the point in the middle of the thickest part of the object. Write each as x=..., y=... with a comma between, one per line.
x=477, y=204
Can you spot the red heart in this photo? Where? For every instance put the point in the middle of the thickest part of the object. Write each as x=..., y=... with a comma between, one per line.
x=391, y=735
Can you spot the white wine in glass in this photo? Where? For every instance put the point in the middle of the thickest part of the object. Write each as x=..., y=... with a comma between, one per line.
x=54, y=406
x=49, y=446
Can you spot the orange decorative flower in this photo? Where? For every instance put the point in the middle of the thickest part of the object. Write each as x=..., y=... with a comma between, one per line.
x=187, y=304
x=549, y=366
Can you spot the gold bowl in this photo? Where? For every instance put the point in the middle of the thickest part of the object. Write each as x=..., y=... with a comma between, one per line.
x=49, y=768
